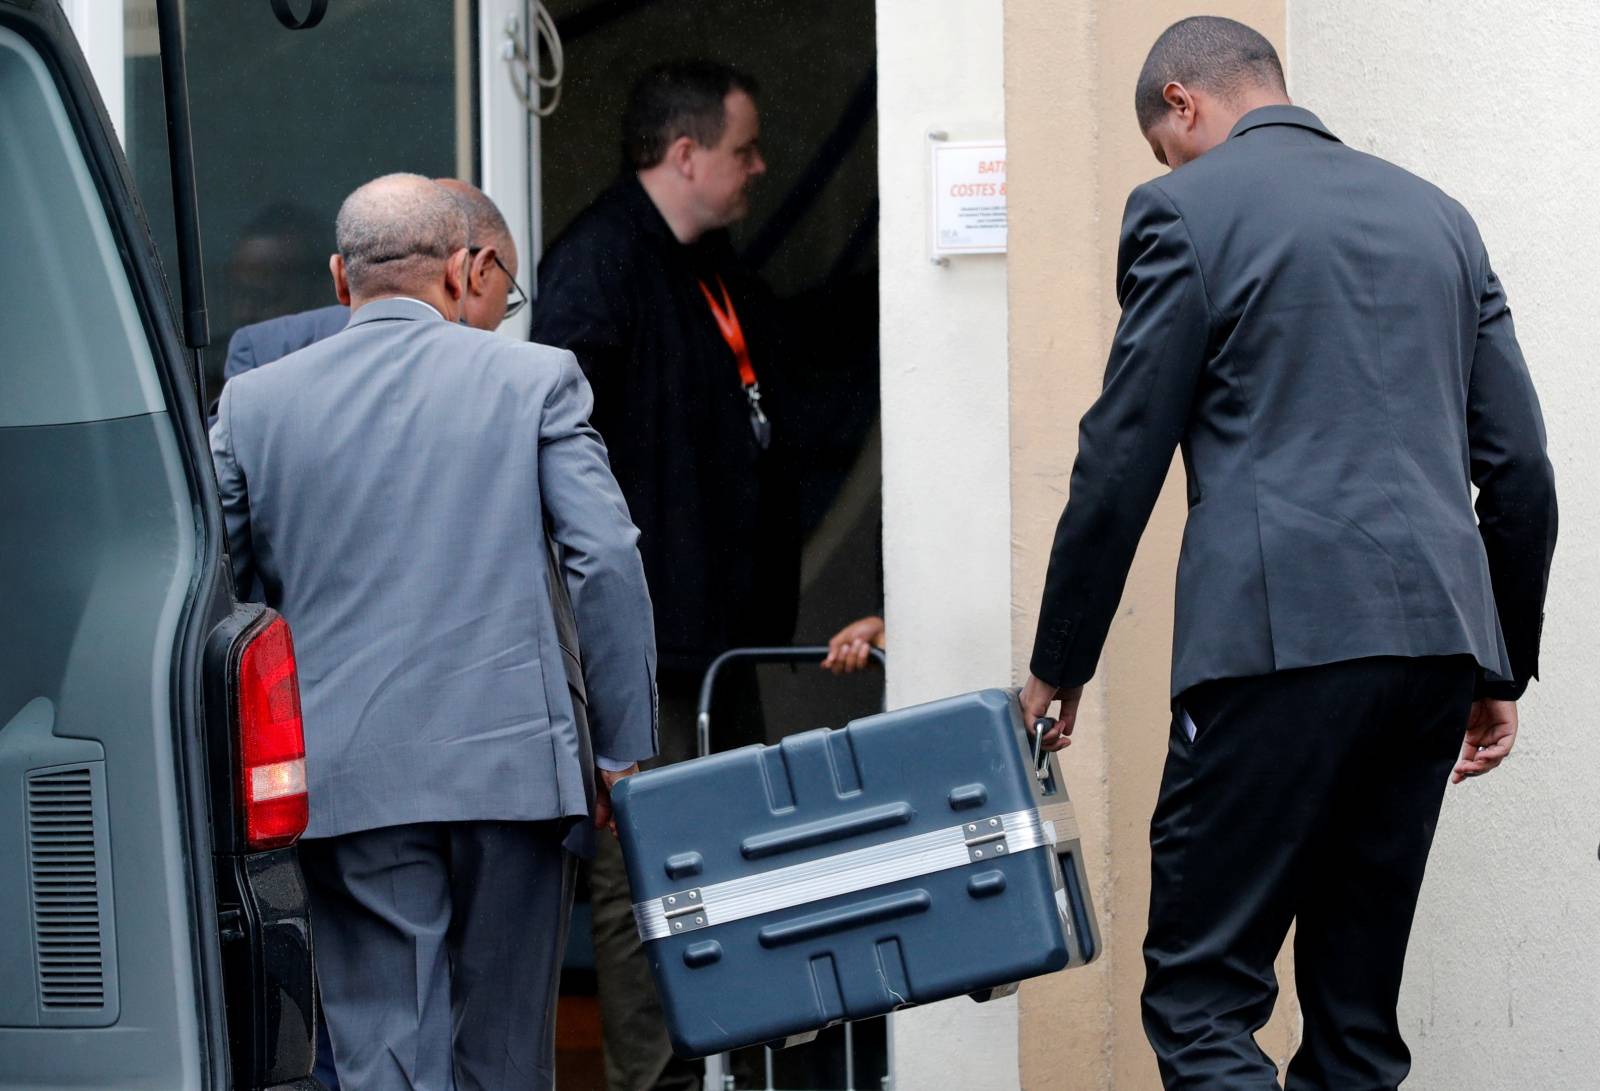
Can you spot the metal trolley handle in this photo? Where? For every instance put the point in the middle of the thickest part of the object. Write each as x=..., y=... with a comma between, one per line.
x=1041, y=756
x=803, y=654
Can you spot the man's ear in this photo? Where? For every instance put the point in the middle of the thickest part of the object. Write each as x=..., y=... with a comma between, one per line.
x=478, y=269
x=455, y=274
x=341, y=284
x=1181, y=103
x=678, y=155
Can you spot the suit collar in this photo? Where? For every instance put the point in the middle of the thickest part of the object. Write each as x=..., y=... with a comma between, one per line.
x=391, y=307
x=1280, y=115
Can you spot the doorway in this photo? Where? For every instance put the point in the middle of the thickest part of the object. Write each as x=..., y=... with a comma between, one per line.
x=812, y=236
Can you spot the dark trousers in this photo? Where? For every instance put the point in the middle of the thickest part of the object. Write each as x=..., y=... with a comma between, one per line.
x=638, y=1054
x=438, y=948
x=1308, y=796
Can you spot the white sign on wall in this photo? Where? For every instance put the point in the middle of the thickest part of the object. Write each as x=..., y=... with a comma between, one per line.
x=969, y=197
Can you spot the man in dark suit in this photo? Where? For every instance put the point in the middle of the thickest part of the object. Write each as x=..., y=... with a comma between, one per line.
x=263, y=342
x=1322, y=335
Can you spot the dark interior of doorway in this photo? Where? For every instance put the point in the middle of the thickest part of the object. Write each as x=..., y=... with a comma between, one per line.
x=812, y=234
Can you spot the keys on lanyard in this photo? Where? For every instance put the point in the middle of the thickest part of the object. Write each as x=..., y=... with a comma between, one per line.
x=733, y=333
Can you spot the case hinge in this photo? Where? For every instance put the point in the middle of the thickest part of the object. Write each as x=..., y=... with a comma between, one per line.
x=985, y=838
x=684, y=910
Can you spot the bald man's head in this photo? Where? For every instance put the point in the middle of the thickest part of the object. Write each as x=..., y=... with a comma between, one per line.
x=397, y=233
x=492, y=270
x=485, y=225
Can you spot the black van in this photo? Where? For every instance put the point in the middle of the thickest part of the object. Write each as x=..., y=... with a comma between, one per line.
x=153, y=922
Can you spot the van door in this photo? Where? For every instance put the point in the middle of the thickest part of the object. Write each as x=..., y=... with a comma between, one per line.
x=110, y=575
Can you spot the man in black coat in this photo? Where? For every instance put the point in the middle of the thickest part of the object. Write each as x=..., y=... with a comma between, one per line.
x=679, y=345
x=1322, y=336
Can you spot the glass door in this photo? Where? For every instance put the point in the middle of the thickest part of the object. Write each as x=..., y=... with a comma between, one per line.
x=287, y=123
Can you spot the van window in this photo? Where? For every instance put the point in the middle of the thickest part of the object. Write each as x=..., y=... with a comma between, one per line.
x=75, y=349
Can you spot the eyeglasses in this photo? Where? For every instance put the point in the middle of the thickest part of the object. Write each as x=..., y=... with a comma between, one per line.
x=516, y=298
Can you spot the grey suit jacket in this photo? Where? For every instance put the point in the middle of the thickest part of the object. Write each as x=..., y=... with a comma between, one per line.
x=1322, y=335
x=391, y=486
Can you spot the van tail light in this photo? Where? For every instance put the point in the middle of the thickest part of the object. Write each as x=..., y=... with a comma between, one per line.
x=271, y=741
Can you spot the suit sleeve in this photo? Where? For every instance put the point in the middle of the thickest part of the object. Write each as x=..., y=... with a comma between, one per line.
x=1127, y=438
x=588, y=518
x=1516, y=486
x=234, y=493
x=241, y=354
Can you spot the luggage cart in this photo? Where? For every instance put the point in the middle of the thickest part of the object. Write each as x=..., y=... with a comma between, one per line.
x=719, y=1074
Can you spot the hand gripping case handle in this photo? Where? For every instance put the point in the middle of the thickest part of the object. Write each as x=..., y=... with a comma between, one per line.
x=1071, y=879
x=1041, y=759
x=803, y=654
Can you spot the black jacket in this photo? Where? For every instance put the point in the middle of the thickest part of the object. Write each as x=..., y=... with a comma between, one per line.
x=1322, y=334
x=717, y=515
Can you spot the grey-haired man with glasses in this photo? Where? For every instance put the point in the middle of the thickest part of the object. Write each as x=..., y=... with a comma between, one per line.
x=492, y=292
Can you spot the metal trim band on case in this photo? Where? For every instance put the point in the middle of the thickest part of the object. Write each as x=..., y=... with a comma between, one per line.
x=977, y=840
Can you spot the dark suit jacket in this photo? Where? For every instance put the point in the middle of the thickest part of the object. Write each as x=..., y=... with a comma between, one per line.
x=1323, y=336
x=263, y=342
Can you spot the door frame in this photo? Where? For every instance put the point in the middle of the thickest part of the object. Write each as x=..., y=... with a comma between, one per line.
x=508, y=135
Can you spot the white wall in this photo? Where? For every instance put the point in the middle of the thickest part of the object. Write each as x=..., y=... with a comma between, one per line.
x=946, y=478
x=98, y=26
x=1487, y=99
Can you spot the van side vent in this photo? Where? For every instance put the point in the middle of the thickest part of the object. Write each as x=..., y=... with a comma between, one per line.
x=66, y=873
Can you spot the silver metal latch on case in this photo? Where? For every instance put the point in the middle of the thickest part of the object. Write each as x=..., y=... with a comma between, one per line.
x=985, y=838
x=685, y=911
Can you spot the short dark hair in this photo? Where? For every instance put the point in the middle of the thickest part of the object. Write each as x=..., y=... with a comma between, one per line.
x=678, y=98
x=1206, y=51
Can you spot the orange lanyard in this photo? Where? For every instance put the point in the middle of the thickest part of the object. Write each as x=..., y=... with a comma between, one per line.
x=733, y=333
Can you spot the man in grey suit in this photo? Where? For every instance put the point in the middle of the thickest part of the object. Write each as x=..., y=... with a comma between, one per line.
x=1322, y=336
x=490, y=295
x=391, y=487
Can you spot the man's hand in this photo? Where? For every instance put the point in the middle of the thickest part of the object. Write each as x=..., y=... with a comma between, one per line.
x=1491, y=732
x=851, y=646
x=1036, y=698
x=604, y=818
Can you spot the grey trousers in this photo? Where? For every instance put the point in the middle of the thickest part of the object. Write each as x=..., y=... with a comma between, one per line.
x=439, y=948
